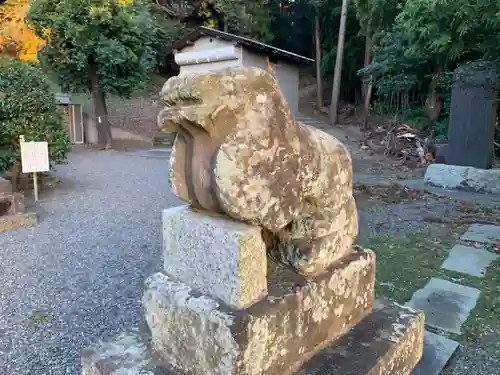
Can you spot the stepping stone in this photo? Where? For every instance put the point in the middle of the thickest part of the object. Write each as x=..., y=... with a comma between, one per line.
x=310, y=122
x=446, y=305
x=488, y=234
x=469, y=260
x=437, y=352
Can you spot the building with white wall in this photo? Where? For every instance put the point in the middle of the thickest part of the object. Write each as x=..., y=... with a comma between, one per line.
x=207, y=49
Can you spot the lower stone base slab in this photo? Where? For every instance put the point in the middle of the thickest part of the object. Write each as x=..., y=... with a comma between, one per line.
x=10, y=222
x=198, y=335
x=128, y=354
x=389, y=341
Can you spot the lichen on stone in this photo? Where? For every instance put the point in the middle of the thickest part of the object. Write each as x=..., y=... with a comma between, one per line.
x=241, y=153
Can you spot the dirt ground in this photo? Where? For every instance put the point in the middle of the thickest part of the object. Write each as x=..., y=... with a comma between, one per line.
x=411, y=232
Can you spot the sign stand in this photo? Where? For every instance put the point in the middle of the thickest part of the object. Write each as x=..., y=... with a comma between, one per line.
x=35, y=186
x=34, y=159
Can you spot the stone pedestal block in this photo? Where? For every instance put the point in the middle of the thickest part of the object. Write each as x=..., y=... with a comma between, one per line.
x=199, y=335
x=215, y=255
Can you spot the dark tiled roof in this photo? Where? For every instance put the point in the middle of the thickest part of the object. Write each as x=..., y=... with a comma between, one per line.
x=250, y=44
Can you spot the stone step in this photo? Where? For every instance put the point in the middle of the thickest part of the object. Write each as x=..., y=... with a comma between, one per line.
x=163, y=139
x=446, y=305
x=154, y=153
x=389, y=341
x=308, y=121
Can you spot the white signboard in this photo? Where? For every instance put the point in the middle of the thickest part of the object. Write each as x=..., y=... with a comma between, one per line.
x=35, y=157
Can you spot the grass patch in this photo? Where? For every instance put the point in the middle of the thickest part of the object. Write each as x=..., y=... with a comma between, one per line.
x=37, y=319
x=406, y=265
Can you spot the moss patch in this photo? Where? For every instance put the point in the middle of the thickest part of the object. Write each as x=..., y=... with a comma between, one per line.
x=406, y=265
x=37, y=319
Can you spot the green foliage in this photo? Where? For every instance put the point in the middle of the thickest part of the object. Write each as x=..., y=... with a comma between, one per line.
x=250, y=18
x=375, y=16
x=429, y=38
x=168, y=29
x=391, y=69
x=28, y=107
x=451, y=30
x=116, y=37
x=292, y=25
x=329, y=15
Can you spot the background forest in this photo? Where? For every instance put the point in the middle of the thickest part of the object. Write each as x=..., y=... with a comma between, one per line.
x=403, y=52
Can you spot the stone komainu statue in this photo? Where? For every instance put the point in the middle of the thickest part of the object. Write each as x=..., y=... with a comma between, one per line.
x=238, y=151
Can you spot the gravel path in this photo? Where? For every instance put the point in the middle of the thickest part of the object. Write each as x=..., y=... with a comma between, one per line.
x=78, y=276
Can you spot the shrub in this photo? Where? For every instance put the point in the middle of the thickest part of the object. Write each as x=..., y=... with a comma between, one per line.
x=28, y=107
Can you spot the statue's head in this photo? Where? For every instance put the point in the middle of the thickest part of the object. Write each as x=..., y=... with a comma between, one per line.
x=216, y=101
x=236, y=144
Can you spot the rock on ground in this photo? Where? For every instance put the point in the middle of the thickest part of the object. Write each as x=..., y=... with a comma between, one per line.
x=464, y=178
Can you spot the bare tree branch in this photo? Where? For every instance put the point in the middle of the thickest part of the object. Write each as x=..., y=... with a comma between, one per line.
x=166, y=9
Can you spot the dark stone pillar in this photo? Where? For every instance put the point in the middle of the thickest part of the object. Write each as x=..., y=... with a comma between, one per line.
x=473, y=115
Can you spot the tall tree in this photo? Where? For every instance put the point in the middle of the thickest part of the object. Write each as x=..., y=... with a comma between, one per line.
x=102, y=46
x=375, y=17
x=249, y=18
x=16, y=39
x=338, y=64
x=291, y=26
x=317, y=56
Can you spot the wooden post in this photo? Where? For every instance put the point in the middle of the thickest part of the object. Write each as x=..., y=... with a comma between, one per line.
x=35, y=186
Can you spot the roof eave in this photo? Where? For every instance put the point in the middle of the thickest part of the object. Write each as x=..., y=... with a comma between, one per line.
x=245, y=42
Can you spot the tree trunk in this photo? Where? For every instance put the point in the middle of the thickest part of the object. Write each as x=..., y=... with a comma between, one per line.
x=367, y=86
x=101, y=111
x=338, y=65
x=317, y=43
x=366, y=108
x=368, y=58
x=433, y=103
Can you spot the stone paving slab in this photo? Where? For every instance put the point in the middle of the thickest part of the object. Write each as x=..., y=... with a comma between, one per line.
x=469, y=260
x=446, y=305
x=488, y=234
x=437, y=352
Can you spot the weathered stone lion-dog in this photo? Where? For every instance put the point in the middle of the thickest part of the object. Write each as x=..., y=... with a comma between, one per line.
x=239, y=152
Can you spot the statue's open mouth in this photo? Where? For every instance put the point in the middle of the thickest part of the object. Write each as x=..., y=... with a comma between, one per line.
x=172, y=118
x=194, y=150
